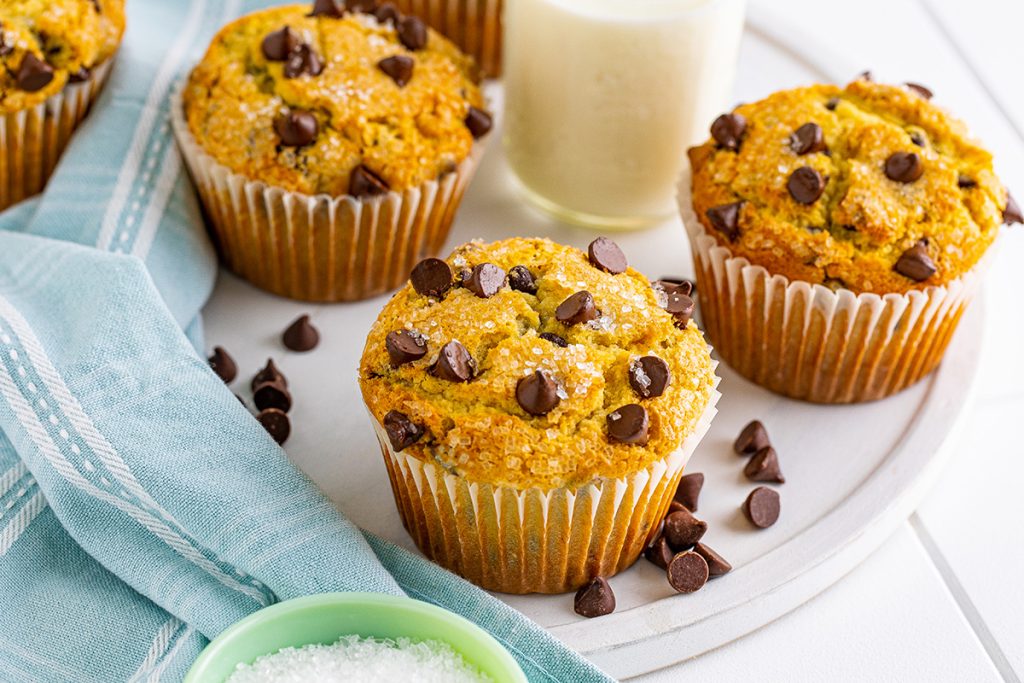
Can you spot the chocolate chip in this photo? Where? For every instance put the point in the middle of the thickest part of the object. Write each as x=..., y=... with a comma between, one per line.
x=764, y=466
x=965, y=183
x=223, y=364
x=554, y=339
x=682, y=529
x=80, y=76
x=269, y=373
x=398, y=67
x=659, y=552
x=832, y=103
x=412, y=33
x=365, y=183
x=674, y=506
x=301, y=335
x=272, y=395
x=478, y=122
x=717, y=564
x=537, y=394
x=402, y=432
x=726, y=219
x=915, y=263
x=917, y=139
x=364, y=6
x=606, y=255
x=328, y=8
x=752, y=438
x=865, y=76
x=276, y=423
x=485, y=280
x=667, y=282
x=687, y=572
x=903, y=167
x=387, y=12
x=727, y=130
x=296, y=128
x=1012, y=213
x=920, y=90
x=303, y=60
x=521, y=280
x=649, y=376
x=33, y=74
x=762, y=507
x=688, y=491
x=578, y=308
x=431, y=277
x=594, y=599
x=278, y=45
x=629, y=425
x=405, y=346
x=454, y=363
x=680, y=306
x=807, y=138
x=805, y=185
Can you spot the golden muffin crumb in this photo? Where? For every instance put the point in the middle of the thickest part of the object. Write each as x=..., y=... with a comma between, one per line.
x=907, y=198
x=479, y=428
x=367, y=120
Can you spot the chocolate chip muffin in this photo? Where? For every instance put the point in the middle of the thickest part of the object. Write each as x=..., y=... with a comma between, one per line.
x=535, y=405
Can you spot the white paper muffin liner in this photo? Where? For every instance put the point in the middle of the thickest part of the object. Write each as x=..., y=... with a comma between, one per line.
x=534, y=540
x=473, y=25
x=319, y=247
x=32, y=140
x=805, y=341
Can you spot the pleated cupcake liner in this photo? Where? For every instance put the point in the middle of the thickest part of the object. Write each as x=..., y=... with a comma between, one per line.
x=808, y=342
x=473, y=25
x=318, y=247
x=534, y=540
x=32, y=140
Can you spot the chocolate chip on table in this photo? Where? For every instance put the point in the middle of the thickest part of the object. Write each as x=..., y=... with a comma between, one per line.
x=402, y=432
x=629, y=425
x=537, y=394
x=807, y=139
x=365, y=183
x=431, y=277
x=682, y=529
x=301, y=335
x=278, y=45
x=577, y=308
x=405, y=346
x=276, y=423
x=303, y=60
x=1012, y=213
x=752, y=438
x=269, y=373
x=717, y=565
x=521, y=279
x=33, y=74
x=605, y=255
x=296, y=128
x=454, y=363
x=915, y=263
x=687, y=572
x=594, y=599
x=659, y=552
x=272, y=395
x=727, y=130
x=966, y=183
x=764, y=466
x=554, y=339
x=649, y=376
x=762, y=507
x=223, y=364
x=479, y=122
x=688, y=491
x=903, y=167
x=726, y=219
x=398, y=67
x=412, y=33
x=805, y=185
x=485, y=280
x=387, y=12
x=674, y=506
x=328, y=8
x=920, y=90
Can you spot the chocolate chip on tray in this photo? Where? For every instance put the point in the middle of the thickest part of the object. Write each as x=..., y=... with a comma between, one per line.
x=1012, y=213
x=674, y=506
x=605, y=255
x=716, y=563
x=762, y=507
x=276, y=423
x=521, y=279
x=223, y=364
x=554, y=339
x=537, y=394
x=296, y=128
x=805, y=185
x=365, y=183
x=764, y=466
x=687, y=572
x=682, y=529
x=301, y=335
x=904, y=167
x=577, y=308
x=594, y=599
x=485, y=280
x=405, y=346
x=807, y=139
x=454, y=363
x=33, y=74
x=412, y=33
x=649, y=376
x=688, y=491
x=659, y=552
x=752, y=438
x=726, y=219
x=272, y=395
x=431, y=277
x=269, y=373
x=398, y=67
x=727, y=130
x=915, y=263
x=402, y=432
x=628, y=425
x=479, y=122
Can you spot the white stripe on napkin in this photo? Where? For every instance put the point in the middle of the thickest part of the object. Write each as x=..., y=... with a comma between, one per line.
x=11, y=477
x=154, y=677
x=160, y=651
x=16, y=527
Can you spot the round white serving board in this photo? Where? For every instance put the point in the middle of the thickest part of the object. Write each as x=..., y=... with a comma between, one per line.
x=853, y=472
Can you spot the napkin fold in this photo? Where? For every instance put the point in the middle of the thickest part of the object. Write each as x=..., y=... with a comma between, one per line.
x=142, y=508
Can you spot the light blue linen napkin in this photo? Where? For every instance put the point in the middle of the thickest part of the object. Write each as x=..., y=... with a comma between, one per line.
x=142, y=508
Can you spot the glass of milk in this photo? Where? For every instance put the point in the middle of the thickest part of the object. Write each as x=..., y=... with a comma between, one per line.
x=603, y=97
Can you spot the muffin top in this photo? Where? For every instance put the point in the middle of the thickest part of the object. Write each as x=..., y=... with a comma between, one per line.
x=526, y=363
x=318, y=99
x=44, y=44
x=870, y=187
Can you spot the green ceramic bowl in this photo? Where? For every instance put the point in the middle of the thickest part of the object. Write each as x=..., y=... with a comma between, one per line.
x=325, y=618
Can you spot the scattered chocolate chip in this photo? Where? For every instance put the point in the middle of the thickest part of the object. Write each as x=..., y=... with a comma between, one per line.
x=272, y=395
x=223, y=364
x=687, y=572
x=412, y=33
x=80, y=76
x=681, y=307
x=965, y=183
x=521, y=280
x=402, y=432
x=478, y=122
x=454, y=363
x=594, y=599
x=606, y=255
x=752, y=438
x=629, y=425
x=764, y=466
x=915, y=263
x=688, y=491
x=537, y=394
x=387, y=12
x=659, y=552
x=917, y=139
x=649, y=376
x=405, y=346
x=328, y=8
x=832, y=103
x=431, y=277
x=486, y=280
x=727, y=130
x=920, y=90
x=578, y=308
x=674, y=506
x=398, y=67
x=903, y=167
x=278, y=45
x=762, y=507
x=805, y=185
x=726, y=219
x=1012, y=213
x=276, y=423
x=682, y=529
x=296, y=128
x=33, y=74
x=807, y=138
x=554, y=339
x=684, y=285
x=717, y=564
x=301, y=335
x=269, y=373
x=365, y=183
x=303, y=60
